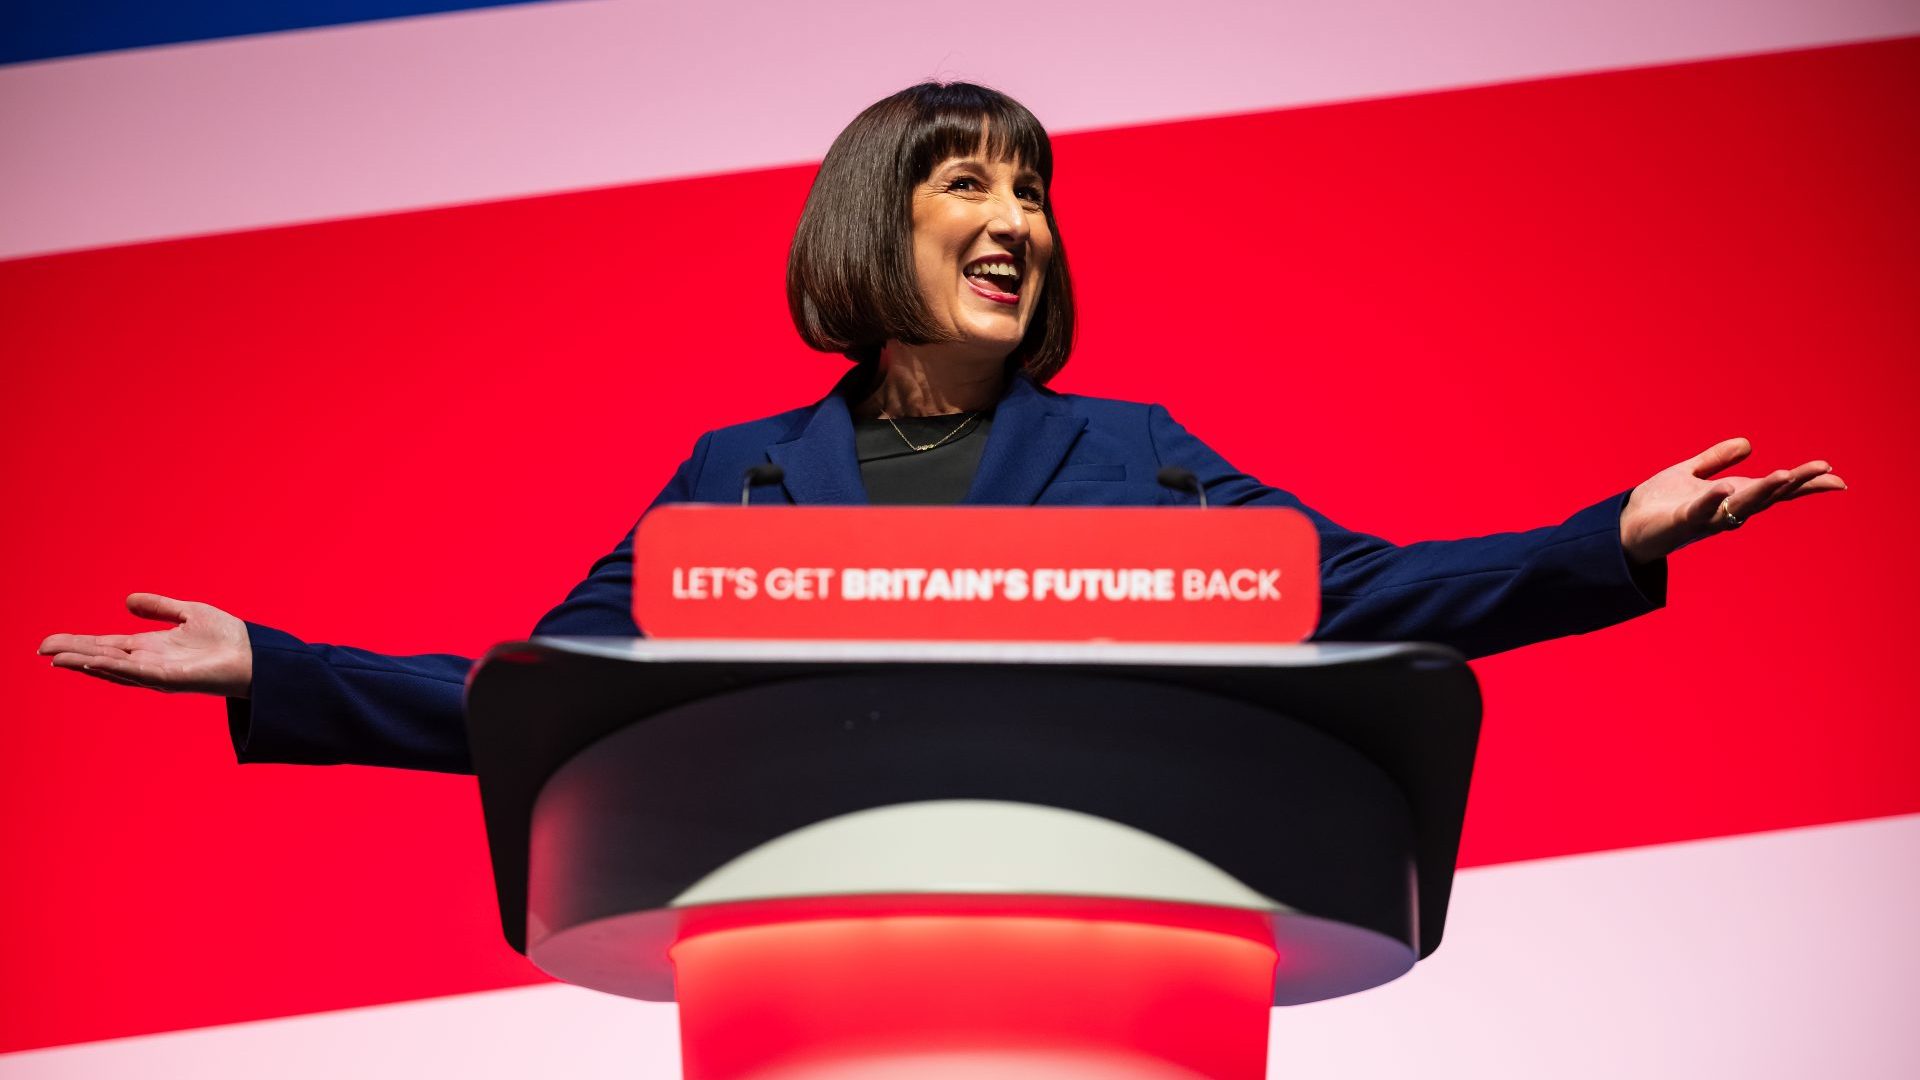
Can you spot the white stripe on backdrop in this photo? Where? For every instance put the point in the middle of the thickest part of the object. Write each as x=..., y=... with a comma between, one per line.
x=1757, y=957
x=366, y=119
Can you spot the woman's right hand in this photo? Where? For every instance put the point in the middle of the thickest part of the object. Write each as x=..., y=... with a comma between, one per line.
x=205, y=651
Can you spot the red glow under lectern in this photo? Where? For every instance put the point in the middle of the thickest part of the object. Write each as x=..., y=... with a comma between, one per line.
x=972, y=995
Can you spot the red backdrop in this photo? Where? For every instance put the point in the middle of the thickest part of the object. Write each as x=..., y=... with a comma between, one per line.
x=1427, y=316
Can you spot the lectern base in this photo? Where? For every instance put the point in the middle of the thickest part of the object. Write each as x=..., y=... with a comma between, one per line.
x=931, y=996
x=1008, y=859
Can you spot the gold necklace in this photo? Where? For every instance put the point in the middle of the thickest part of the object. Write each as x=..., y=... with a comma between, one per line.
x=950, y=436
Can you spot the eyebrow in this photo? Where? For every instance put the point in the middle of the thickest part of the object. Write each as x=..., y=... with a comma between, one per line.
x=976, y=164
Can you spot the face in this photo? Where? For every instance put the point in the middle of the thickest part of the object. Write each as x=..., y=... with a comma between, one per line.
x=981, y=247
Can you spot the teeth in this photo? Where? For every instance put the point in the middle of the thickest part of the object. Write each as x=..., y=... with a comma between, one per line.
x=999, y=269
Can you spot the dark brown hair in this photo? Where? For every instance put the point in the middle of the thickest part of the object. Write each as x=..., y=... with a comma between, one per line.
x=851, y=284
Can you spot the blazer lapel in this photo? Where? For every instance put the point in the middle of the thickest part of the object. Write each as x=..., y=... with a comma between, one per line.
x=819, y=460
x=1032, y=432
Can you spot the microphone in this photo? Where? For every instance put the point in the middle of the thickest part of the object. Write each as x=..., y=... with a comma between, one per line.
x=1179, y=479
x=758, y=476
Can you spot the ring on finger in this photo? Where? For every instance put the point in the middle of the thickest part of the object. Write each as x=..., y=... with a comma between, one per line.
x=1726, y=512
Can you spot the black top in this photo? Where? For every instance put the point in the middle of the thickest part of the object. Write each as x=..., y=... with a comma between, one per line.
x=895, y=474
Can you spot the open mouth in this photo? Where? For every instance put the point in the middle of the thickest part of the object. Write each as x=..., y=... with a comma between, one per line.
x=996, y=277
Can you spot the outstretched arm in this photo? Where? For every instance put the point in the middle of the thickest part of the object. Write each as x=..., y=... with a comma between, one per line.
x=1486, y=594
x=302, y=703
x=323, y=704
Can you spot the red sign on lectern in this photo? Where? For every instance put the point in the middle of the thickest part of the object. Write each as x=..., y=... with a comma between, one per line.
x=976, y=574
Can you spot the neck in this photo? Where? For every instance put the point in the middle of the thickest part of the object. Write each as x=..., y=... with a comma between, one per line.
x=933, y=380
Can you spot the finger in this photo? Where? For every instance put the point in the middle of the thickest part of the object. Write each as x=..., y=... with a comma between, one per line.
x=112, y=668
x=154, y=606
x=1816, y=486
x=1754, y=498
x=109, y=645
x=1803, y=475
x=1705, y=507
x=1723, y=455
x=108, y=676
x=54, y=643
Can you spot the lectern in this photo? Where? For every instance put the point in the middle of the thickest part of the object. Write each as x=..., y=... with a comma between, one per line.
x=878, y=858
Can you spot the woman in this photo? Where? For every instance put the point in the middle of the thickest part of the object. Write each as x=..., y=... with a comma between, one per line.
x=929, y=253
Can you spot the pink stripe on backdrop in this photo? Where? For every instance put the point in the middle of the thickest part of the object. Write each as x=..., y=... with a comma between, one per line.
x=1787, y=955
x=450, y=109
x=1775, y=957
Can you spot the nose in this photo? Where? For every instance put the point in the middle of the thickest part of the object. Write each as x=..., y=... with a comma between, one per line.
x=1009, y=223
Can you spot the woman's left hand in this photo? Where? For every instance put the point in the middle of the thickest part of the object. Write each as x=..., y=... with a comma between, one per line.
x=1684, y=503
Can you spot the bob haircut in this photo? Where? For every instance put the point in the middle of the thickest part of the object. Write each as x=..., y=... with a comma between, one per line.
x=851, y=283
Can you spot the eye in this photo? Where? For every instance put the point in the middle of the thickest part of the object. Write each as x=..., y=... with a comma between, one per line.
x=1029, y=195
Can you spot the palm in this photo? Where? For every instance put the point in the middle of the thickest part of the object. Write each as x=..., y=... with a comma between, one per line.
x=206, y=650
x=1686, y=502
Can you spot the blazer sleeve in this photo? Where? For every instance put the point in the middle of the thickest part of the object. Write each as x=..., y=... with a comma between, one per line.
x=1480, y=595
x=315, y=704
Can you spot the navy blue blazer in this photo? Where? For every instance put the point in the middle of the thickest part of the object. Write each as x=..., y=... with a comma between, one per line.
x=328, y=704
